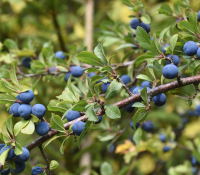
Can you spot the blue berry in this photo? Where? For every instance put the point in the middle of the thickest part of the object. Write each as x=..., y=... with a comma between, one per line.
x=126, y=79
x=26, y=62
x=26, y=97
x=146, y=83
x=39, y=110
x=5, y=172
x=24, y=156
x=198, y=15
x=111, y=149
x=138, y=89
x=104, y=87
x=194, y=170
x=194, y=161
x=42, y=128
x=197, y=110
x=184, y=120
x=59, y=54
x=100, y=119
x=134, y=23
x=14, y=110
x=1, y=146
x=129, y=108
x=25, y=111
x=166, y=148
x=78, y=127
x=136, y=126
x=162, y=137
x=170, y=71
x=36, y=170
x=164, y=48
x=190, y=48
x=10, y=155
x=198, y=53
x=147, y=126
x=91, y=74
x=52, y=69
x=76, y=71
x=145, y=26
x=67, y=75
x=72, y=115
x=159, y=100
x=132, y=88
x=19, y=167
x=175, y=59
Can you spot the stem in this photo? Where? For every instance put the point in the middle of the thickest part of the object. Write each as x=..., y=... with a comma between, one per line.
x=120, y=104
x=46, y=160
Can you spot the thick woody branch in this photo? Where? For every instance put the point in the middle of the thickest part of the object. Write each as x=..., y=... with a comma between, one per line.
x=120, y=104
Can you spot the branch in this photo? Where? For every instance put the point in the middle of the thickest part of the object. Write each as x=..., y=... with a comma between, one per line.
x=120, y=104
x=46, y=160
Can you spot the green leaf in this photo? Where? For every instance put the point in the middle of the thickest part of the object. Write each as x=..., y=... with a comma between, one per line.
x=13, y=75
x=53, y=138
x=165, y=9
x=18, y=149
x=18, y=126
x=138, y=105
x=55, y=105
x=144, y=94
x=3, y=156
x=29, y=129
x=137, y=135
x=99, y=52
x=106, y=169
x=155, y=46
x=5, y=86
x=186, y=27
x=61, y=147
x=135, y=117
x=91, y=114
x=173, y=41
x=196, y=70
x=112, y=111
x=34, y=118
x=5, y=129
x=106, y=137
x=12, y=164
x=90, y=58
x=144, y=77
x=10, y=124
x=10, y=44
x=146, y=19
x=5, y=99
x=193, y=20
x=141, y=59
x=53, y=165
x=125, y=45
x=86, y=128
x=113, y=89
x=157, y=66
x=143, y=38
x=56, y=123
x=68, y=96
x=80, y=105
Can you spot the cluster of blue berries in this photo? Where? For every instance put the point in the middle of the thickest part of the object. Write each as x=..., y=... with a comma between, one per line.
x=195, y=164
x=19, y=159
x=136, y=22
x=190, y=48
x=163, y=138
x=23, y=108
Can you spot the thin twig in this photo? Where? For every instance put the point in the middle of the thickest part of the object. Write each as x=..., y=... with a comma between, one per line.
x=46, y=160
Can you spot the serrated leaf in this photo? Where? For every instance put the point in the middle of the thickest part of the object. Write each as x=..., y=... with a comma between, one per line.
x=69, y=85
x=5, y=129
x=135, y=117
x=112, y=111
x=141, y=59
x=56, y=123
x=90, y=58
x=91, y=114
x=157, y=66
x=18, y=126
x=193, y=20
x=86, y=128
x=125, y=45
x=53, y=165
x=29, y=129
x=5, y=86
x=53, y=138
x=113, y=89
x=146, y=19
x=99, y=52
x=68, y=96
x=55, y=105
x=5, y=99
x=143, y=38
x=144, y=77
x=18, y=149
x=155, y=46
x=186, y=27
x=173, y=41
x=13, y=75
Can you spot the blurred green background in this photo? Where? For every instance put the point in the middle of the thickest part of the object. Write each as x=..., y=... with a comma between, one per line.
x=43, y=21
